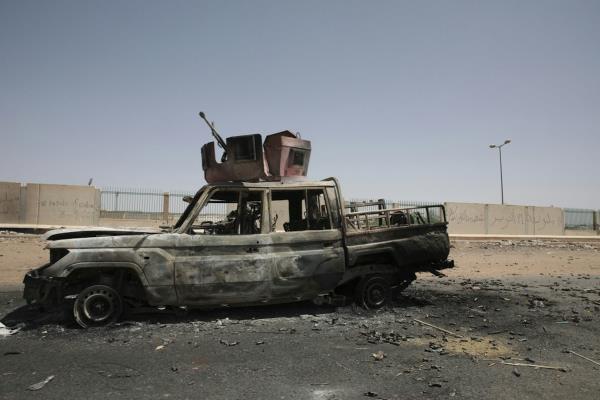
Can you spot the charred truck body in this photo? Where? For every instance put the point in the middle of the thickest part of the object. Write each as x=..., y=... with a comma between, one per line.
x=258, y=233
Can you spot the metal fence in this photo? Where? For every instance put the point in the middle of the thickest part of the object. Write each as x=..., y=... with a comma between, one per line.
x=151, y=204
x=136, y=203
x=579, y=218
x=373, y=205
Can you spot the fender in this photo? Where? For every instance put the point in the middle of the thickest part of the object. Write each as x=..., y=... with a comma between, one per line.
x=67, y=271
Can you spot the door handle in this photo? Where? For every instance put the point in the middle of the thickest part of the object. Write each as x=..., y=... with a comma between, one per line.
x=328, y=244
x=252, y=250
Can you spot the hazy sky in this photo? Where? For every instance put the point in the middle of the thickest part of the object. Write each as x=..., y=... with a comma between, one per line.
x=400, y=99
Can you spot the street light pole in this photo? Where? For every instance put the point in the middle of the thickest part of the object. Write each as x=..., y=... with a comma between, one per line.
x=501, y=180
x=499, y=147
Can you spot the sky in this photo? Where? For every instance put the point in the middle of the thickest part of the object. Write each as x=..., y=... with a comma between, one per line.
x=401, y=99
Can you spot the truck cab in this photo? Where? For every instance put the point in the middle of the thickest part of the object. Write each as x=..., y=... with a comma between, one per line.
x=260, y=242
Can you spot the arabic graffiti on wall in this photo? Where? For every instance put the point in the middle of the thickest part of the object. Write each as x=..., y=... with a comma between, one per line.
x=504, y=219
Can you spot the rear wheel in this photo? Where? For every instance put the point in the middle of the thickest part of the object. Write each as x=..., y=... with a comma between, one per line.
x=97, y=305
x=373, y=291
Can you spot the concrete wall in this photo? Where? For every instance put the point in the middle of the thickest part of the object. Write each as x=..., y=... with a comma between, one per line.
x=61, y=204
x=581, y=232
x=45, y=204
x=548, y=221
x=10, y=202
x=465, y=218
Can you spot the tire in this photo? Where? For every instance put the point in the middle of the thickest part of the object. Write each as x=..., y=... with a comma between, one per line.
x=373, y=292
x=97, y=305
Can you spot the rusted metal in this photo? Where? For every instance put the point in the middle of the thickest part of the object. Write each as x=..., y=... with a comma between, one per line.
x=246, y=158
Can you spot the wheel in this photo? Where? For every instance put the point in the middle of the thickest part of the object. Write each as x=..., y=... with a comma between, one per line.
x=97, y=305
x=373, y=292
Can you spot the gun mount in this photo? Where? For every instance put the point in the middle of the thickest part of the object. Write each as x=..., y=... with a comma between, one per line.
x=247, y=158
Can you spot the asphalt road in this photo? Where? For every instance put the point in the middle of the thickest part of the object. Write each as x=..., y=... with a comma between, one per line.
x=303, y=351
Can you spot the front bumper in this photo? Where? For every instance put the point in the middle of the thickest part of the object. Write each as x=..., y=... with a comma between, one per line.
x=40, y=289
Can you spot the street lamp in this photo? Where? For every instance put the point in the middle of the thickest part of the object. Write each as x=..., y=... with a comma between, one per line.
x=499, y=147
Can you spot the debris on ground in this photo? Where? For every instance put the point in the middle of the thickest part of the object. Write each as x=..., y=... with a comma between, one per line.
x=536, y=366
x=378, y=356
x=438, y=328
x=6, y=331
x=40, y=385
x=375, y=337
x=584, y=357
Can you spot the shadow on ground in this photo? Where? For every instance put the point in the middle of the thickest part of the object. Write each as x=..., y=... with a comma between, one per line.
x=29, y=317
x=454, y=303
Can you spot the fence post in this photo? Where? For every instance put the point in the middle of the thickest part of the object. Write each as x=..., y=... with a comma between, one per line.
x=595, y=220
x=166, y=207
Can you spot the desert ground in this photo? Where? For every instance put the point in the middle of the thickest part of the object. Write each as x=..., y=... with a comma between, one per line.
x=512, y=320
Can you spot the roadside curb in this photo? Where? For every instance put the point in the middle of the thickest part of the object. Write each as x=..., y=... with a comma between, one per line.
x=570, y=238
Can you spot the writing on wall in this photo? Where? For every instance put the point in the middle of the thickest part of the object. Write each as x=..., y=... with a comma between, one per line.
x=504, y=219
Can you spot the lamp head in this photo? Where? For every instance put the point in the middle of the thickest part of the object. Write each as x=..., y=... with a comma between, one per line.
x=492, y=146
x=507, y=141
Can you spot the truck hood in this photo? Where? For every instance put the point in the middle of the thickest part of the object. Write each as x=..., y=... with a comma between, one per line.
x=60, y=234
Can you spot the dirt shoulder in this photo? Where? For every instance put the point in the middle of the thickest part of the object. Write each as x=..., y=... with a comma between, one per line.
x=18, y=254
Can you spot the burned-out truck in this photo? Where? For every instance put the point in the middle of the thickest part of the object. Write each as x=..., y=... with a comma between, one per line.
x=258, y=233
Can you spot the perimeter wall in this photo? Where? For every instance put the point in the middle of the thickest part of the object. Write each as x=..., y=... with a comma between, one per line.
x=475, y=218
x=46, y=204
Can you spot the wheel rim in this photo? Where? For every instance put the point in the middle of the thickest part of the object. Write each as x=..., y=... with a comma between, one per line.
x=375, y=294
x=98, y=306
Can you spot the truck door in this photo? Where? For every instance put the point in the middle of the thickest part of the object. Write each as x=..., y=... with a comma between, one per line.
x=307, y=251
x=220, y=260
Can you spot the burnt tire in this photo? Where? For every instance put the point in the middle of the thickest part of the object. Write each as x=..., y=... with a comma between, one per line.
x=373, y=292
x=97, y=305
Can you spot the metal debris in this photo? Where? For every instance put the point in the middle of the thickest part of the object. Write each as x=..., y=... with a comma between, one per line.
x=438, y=328
x=6, y=331
x=39, y=385
x=536, y=366
x=584, y=357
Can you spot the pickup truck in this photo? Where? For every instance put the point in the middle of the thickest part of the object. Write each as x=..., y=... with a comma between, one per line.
x=244, y=243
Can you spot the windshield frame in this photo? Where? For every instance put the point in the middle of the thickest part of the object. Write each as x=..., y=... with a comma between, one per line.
x=188, y=210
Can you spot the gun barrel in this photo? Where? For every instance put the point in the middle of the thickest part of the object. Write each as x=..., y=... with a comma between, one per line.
x=218, y=137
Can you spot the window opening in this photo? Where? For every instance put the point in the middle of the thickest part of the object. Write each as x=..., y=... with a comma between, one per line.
x=299, y=210
x=230, y=212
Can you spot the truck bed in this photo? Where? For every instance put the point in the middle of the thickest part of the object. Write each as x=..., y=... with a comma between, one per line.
x=413, y=238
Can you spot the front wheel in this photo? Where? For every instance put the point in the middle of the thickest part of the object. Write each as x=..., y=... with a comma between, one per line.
x=97, y=305
x=373, y=292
